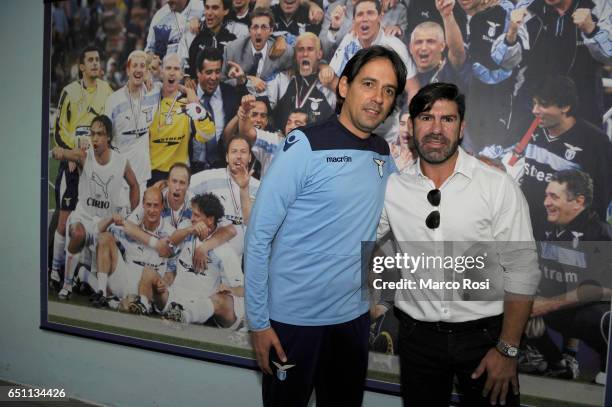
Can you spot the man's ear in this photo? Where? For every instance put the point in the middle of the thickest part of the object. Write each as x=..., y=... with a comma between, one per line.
x=343, y=86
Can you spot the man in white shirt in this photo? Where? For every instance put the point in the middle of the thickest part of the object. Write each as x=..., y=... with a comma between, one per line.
x=234, y=185
x=131, y=109
x=445, y=198
x=175, y=22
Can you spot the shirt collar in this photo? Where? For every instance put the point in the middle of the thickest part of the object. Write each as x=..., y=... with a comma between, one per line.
x=465, y=165
x=264, y=50
x=216, y=93
x=377, y=40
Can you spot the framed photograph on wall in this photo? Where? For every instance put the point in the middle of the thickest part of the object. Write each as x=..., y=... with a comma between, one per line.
x=145, y=205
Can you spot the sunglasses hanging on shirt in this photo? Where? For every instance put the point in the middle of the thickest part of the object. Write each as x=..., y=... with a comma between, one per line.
x=433, y=219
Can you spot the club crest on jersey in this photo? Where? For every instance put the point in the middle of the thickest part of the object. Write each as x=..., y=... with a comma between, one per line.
x=425, y=14
x=314, y=103
x=67, y=200
x=281, y=372
x=492, y=28
x=576, y=239
x=570, y=153
x=379, y=164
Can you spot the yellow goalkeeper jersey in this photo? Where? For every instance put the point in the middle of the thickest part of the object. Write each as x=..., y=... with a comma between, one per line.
x=78, y=105
x=171, y=131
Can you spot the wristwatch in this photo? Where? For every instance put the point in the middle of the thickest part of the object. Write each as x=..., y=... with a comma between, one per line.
x=506, y=349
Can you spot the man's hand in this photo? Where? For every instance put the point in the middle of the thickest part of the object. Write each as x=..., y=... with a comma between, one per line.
x=192, y=97
x=236, y=72
x=326, y=75
x=583, y=20
x=223, y=289
x=57, y=153
x=118, y=219
x=148, y=80
x=194, y=26
x=337, y=17
x=262, y=342
x=242, y=176
x=501, y=373
x=315, y=13
x=246, y=104
x=393, y=31
x=278, y=48
x=200, y=230
x=257, y=83
x=163, y=247
x=190, y=83
x=227, y=290
x=200, y=258
x=445, y=7
x=516, y=20
x=161, y=184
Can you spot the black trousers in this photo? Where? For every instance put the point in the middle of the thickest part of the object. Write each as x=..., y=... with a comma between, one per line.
x=433, y=354
x=330, y=359
x=583, y=322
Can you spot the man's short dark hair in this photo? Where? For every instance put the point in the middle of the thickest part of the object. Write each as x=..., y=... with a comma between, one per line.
x=209, y=205
x=262, y=12
x=239, y=137
x=265, y=101
x=180, y=165
x=107, y=123
x=559, y=91
x=89, y=48
x=227, y=4
x=297, y=110
x=576, y=183
x=377, y=4
x=431, y=93
x=361, y=58
x=209, y=54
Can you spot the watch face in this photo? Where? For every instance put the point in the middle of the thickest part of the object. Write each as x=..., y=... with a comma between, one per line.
x=512, y=351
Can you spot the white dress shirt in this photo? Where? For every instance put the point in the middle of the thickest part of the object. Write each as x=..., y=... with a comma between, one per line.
x=479, y=203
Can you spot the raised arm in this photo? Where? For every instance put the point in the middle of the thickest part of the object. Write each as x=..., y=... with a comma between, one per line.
x=245, y=124
x=76, y=155
x=452, y=33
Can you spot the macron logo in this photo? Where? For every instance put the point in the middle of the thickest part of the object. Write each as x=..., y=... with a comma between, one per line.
x=291, y=140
